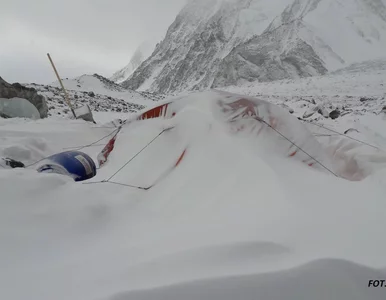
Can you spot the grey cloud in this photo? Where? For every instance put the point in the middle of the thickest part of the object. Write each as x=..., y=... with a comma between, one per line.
x=84, y=35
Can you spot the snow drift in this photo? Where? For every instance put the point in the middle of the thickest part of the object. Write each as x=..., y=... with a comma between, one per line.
x=232, y=220
x=264, y=127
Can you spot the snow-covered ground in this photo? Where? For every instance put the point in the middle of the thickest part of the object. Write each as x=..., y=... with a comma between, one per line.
x=101, y=94
x=368, y=83
x=230, y=222
x=358, y=97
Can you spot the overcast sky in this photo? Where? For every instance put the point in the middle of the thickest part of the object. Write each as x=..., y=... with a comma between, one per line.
x=82, y=36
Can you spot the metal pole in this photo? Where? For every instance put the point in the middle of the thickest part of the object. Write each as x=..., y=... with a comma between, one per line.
x=61, y=83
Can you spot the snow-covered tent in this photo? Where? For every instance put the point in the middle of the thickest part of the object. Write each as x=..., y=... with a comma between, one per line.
x=264, y=126
x=18, y=107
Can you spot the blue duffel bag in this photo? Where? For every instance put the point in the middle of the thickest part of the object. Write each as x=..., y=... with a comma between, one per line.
x=75, y=164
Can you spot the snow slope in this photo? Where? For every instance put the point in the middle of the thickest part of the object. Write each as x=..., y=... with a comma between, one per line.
x=334, y=28
x=371, y=83
x=101, y=94
x=100, y=85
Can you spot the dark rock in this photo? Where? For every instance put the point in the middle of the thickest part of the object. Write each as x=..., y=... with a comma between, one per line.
x=286, y=107
x=323, y=111
x=350, y=130
x=335, y=114
x=8, y=91
x=14, y=163
x=364, y=99
x=2, y=115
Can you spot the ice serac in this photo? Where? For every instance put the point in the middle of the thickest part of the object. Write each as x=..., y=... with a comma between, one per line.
x=219, y=43
x=139, y=56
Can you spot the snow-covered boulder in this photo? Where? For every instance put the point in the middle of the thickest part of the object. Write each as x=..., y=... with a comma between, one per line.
x=323, y=111
x=313, y=109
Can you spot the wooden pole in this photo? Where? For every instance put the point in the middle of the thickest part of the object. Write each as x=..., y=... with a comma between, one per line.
x=61, y=83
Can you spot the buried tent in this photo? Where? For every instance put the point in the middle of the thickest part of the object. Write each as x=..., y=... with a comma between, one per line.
x=18, y=108
x=259, y=121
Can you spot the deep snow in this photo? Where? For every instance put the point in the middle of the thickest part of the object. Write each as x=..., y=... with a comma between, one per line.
x=231, y=221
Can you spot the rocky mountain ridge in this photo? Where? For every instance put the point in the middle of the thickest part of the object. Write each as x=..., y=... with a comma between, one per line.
x=219, y=43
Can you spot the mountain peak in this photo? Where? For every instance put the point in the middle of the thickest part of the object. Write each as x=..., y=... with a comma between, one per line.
x=143, y=51
x=224, y=42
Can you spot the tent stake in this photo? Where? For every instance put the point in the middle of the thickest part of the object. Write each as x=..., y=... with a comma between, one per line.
x=61, y=83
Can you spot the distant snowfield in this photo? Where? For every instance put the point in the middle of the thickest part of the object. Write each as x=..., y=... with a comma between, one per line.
x=371, y=83
x=228, y=223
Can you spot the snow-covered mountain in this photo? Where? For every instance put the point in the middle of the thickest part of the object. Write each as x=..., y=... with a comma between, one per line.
x=214, y=43
x=139, y=56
